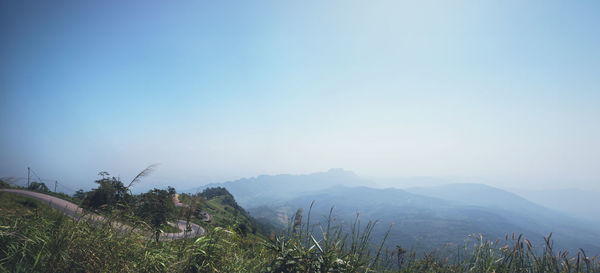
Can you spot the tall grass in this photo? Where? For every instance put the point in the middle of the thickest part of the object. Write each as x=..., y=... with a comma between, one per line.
x=41, y=240
x=335, y=248
x=329, y=249
x=514, y=254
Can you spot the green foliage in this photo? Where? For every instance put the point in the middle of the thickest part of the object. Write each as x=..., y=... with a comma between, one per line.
x=223, y=210
x=38, y=186
x=332, y=250
x=210, y=193
x=35, y=238
x=20, y=205
x=156, y=208
x=223, y=250
x=226, y=198
x=4, y=184
x=47, y=241
x=110, y=193
x=79, y=194
x=515, y=254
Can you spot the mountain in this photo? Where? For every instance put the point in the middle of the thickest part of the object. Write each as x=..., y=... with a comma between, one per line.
x=527, y=214
x=269, y=189
x=426, y=223
x=474, y=194
x=424, y=218
x=501, y=201
x=584, y=204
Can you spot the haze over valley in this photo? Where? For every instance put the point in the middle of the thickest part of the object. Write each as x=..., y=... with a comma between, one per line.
x=300, y=136
x=424, y=218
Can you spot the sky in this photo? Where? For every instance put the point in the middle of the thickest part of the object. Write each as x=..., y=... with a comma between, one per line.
x=506, y=92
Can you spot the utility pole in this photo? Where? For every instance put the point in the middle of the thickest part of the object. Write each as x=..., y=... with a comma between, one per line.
x=55, y=183
x=28, y=170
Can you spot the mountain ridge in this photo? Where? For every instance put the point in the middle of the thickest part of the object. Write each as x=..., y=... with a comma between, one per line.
x=425, y=217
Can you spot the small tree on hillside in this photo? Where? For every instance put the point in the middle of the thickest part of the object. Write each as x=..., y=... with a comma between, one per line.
x=156, y=208
x=35, y=186
x=109, y=193
x=79, y=194
x=112, y=192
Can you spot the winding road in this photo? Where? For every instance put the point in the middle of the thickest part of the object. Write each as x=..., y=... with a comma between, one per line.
x=75, y=212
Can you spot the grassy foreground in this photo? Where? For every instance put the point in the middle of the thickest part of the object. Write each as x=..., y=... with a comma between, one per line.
x=34, y=238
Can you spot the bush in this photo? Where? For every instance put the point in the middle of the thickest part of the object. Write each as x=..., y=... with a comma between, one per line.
x=38, y=186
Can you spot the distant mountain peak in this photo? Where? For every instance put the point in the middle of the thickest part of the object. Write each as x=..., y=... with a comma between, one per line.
x=339, y=170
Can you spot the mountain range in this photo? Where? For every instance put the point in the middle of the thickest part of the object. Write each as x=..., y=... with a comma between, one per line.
x=423, y=218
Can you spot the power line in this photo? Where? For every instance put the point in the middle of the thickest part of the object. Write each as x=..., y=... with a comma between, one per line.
x=66, y=187
x=56, y=183
x=37, y=176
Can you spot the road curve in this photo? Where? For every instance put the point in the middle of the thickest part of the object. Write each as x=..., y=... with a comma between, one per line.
x=74, y=211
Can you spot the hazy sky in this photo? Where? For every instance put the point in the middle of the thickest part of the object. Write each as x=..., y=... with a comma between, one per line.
x=506, y=91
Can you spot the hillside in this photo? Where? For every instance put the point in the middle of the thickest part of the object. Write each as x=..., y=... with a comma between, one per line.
x=424, y=218
x=420, y=222
x=37, y=238
x=516, y=209
x=584, y=204
x=216, y=207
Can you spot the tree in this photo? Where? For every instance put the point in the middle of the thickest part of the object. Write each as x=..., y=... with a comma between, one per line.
x=156, y=208
x=79, y=194
x=103, y=174
x=210, y=193
x=241, y=228
x=35, y=186
x=110, y=193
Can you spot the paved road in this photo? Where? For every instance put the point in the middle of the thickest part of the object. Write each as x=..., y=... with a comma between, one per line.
x=74, y=211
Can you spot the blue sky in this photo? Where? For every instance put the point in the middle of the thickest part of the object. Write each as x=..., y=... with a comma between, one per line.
x=505, y=91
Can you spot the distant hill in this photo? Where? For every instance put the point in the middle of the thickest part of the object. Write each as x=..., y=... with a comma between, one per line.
x=527, y=214
x=269, y=189
x=584, y=204
x=221, y=211
x=474, y=194
x=426, y=223
x=502, y=202
x=425, y=217
x=421, y=222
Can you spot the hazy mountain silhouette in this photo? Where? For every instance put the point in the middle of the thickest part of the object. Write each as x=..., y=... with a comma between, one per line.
x=425, y=218
x=584, y=204
x=269, y=189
